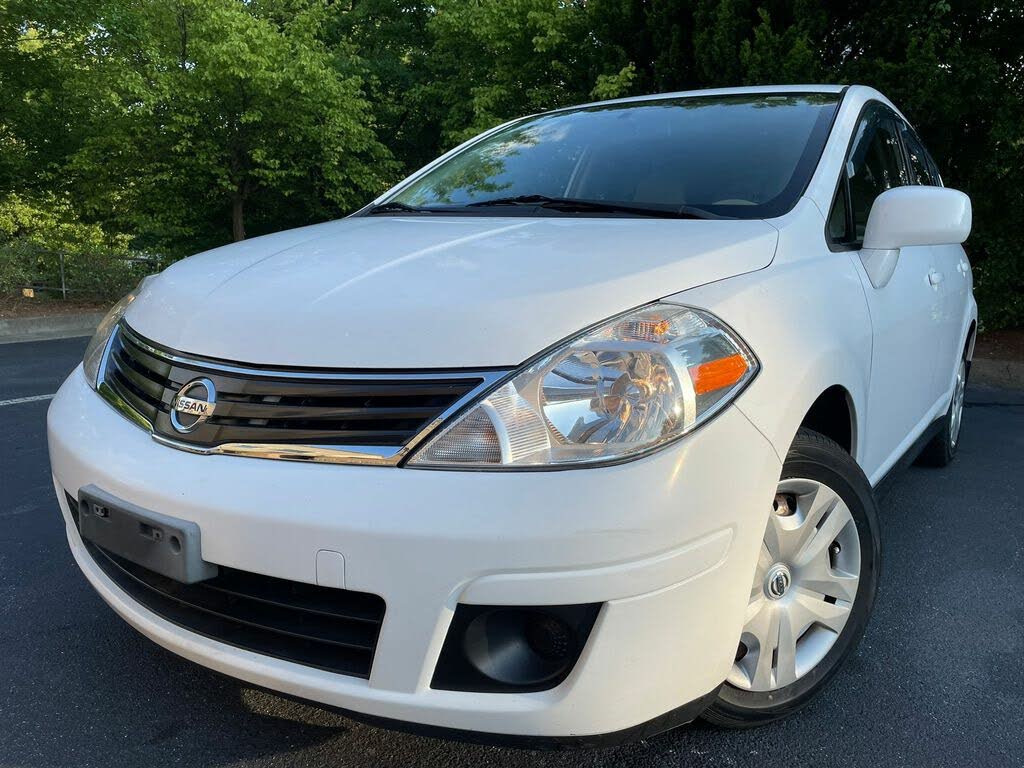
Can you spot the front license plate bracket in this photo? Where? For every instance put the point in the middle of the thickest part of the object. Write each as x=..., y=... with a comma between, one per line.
x=157, y=542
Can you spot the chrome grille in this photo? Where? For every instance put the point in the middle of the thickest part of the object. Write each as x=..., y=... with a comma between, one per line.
x=313, y=414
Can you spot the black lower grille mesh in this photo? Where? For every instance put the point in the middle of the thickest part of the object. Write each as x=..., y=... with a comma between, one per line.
x=331, y=629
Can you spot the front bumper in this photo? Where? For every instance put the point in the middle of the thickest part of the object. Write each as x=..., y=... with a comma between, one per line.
x=667, y=543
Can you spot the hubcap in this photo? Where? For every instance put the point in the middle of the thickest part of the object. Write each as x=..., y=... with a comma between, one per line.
x=957, y=412
x=804, y=587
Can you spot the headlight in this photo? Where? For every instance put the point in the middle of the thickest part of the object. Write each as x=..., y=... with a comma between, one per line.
x=98, y=343
x=625, y=388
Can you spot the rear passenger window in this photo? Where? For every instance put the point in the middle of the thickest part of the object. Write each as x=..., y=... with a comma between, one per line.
x=934, y=170
x=874, y=165
x=920, y=166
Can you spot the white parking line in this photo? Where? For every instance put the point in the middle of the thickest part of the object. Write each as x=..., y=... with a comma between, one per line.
x=33, y=399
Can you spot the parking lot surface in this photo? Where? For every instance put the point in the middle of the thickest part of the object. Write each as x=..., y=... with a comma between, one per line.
x=937, y=681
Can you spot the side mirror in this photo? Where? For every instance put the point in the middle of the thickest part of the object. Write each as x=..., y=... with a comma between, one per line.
x=918, y=215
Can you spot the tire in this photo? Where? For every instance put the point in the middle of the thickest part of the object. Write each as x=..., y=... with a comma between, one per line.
x=941, y=449
x=823, y=530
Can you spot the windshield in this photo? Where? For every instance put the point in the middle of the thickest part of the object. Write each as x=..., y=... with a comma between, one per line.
x=745, y=156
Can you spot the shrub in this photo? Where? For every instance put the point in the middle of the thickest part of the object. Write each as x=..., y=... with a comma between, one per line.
x=40, y=239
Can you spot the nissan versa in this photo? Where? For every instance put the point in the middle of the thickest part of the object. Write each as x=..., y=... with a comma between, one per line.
x=570, y=437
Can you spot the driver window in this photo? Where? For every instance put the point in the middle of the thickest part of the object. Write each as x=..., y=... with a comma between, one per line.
x=874, y=165
x=920, y=167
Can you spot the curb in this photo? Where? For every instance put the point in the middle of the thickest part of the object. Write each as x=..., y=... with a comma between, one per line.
x=48, y=327
x=1007, y=374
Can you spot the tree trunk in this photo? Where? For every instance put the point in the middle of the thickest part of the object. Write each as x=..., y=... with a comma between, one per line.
x=238, y=217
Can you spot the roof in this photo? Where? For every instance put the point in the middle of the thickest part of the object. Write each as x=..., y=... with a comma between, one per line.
x=747, y=89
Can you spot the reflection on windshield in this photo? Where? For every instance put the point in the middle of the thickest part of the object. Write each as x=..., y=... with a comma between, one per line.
x=748, y=156
x=475, y=175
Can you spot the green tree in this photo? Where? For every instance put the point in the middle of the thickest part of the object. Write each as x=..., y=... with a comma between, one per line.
x=393, y=44
x=180, y=124
x=495, y=59
x=192, y=115
x=243, y=104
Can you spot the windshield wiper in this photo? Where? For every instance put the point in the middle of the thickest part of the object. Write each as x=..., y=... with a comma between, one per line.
x=561, y=204
x=569, y=205
x=396, y=207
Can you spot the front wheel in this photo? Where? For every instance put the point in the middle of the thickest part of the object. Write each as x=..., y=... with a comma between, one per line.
x=813, y=589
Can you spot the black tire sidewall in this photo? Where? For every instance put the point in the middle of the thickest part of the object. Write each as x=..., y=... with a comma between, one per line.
x=945, y=435
x=816, y=458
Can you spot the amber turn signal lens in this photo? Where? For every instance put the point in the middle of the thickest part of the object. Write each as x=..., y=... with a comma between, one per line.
x=717, y=374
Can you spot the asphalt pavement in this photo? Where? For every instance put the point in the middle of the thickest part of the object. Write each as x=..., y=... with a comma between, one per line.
x=937, y=681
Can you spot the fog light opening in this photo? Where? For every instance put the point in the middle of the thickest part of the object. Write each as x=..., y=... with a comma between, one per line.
x=513, y=649
x=519, y=647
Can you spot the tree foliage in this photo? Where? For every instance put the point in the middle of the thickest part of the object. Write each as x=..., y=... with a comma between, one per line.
x=174, y=125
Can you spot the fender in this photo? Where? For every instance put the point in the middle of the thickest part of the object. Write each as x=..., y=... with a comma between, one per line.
x=830, y=345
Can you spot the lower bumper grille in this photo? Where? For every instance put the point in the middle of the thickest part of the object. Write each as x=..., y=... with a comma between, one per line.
x=331, y=629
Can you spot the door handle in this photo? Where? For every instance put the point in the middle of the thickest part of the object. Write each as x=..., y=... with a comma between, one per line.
x=934, y=277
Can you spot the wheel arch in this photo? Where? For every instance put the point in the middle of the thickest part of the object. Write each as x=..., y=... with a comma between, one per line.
x=834, y=415
x=972, y=332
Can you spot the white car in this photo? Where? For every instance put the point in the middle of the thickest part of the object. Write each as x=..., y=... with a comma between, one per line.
x=570, y=437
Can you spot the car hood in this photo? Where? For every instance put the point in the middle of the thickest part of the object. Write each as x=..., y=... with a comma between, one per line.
x=432, y=292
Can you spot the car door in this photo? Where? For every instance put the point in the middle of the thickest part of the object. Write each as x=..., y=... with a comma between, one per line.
x=952, y=268
x=906, y=313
